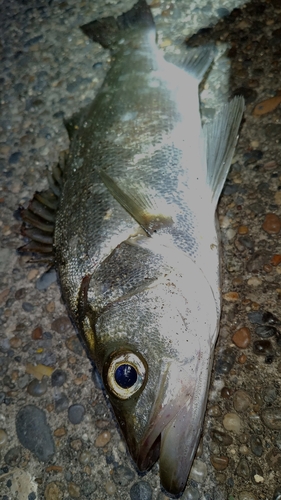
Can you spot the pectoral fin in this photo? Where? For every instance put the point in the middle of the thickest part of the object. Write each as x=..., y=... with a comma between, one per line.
x=150, y=213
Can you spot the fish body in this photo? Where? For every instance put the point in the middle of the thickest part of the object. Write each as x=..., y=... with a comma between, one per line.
x=136, y=240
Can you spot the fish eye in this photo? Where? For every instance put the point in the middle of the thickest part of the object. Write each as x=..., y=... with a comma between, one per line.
x=126, y=374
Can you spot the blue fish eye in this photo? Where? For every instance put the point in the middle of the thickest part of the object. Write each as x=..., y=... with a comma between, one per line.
x=126, y=376
x=125, y=373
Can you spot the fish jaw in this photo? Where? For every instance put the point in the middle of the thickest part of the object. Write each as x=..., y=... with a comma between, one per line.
x=173, y=431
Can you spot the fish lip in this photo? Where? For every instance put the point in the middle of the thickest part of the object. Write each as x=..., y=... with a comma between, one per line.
x=174, y=427
x=147, y=456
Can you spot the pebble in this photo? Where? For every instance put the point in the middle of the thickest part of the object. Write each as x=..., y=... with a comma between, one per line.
x=54, y=491
x=61, y=325
x=270, y=394
x=265, y=331
x=242, y=337
x=243, y=469
x=263, y=347
x=102, y=439
x=76, y=444
x=252, y=156
x=231, y=296
x=243, y=230
x=15, y=342
x=20, y=293
x=198, y=471
x=15, y=157
x=241, y=400
x=256, y=474
x=226, y=392
x=60, y=431
x=39, y=370
x=74, y=490
x=58, y=378
x=85, y=457
x=221, y=437
x=27, y=306
x=37, y=388
x=13, y=456
x=267, y=106
x=110, y=488
x=141, y=491
x=88, y=487
x=269, y=318
x=50, y=307
x=46, y=279
x=214, y=411
x=122, y=475
x=276, y=259
x=271, y=224
x=34, y=433
x=219, y=462
x=190, y=493
x=32, y=274
x=221, y=477
x=257, y=261
x=61, y=403
x=254, y=281
x=256, y=445
x=255, y=317
x=242, y=359
x=76, y=413
x=246, y=495
x=232, y=422
x=271, y=418
x=3, y=438
x=37, y=333
x=73, y=344
x=225, y=361
x=273, y=459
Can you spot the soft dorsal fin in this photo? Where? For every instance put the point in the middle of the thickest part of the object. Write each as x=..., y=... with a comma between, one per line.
x=196, y=62
x=221, y=137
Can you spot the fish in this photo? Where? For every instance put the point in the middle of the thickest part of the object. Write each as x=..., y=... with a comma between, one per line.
x=130, y=223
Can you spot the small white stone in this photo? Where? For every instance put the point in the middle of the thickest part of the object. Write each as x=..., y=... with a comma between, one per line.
x=232, y=422
x=121, y=447
x=230, y=234
x=198, y=471
x=254, y=281
x=225, y=222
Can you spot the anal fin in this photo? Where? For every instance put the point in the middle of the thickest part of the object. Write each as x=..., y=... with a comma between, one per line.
x=221, y=137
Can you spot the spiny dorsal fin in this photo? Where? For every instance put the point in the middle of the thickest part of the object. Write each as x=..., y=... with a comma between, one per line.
x=150, y=212
x=39, y=218
x=221, y=137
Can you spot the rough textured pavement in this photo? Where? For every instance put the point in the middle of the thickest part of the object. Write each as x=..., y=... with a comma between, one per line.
x=58, y=439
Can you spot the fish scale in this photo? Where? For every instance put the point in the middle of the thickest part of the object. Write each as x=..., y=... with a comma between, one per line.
x=136, y=241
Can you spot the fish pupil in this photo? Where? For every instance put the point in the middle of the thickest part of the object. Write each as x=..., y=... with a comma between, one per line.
x=126, y=376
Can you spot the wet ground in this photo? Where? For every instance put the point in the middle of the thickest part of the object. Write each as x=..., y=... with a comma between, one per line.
x=58, y=439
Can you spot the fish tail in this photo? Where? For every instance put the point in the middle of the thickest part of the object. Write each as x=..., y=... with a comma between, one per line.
x=106, y=31
x=38, y=220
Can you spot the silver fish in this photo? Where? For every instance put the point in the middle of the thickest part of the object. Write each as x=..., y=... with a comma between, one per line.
x=136, y=239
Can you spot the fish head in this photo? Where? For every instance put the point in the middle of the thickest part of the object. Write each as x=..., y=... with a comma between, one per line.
x=153, y=348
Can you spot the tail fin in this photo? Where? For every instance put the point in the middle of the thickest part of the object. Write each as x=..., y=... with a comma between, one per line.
x=106, y=31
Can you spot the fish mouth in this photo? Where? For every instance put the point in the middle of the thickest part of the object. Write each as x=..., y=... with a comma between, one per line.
x=174, y=428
